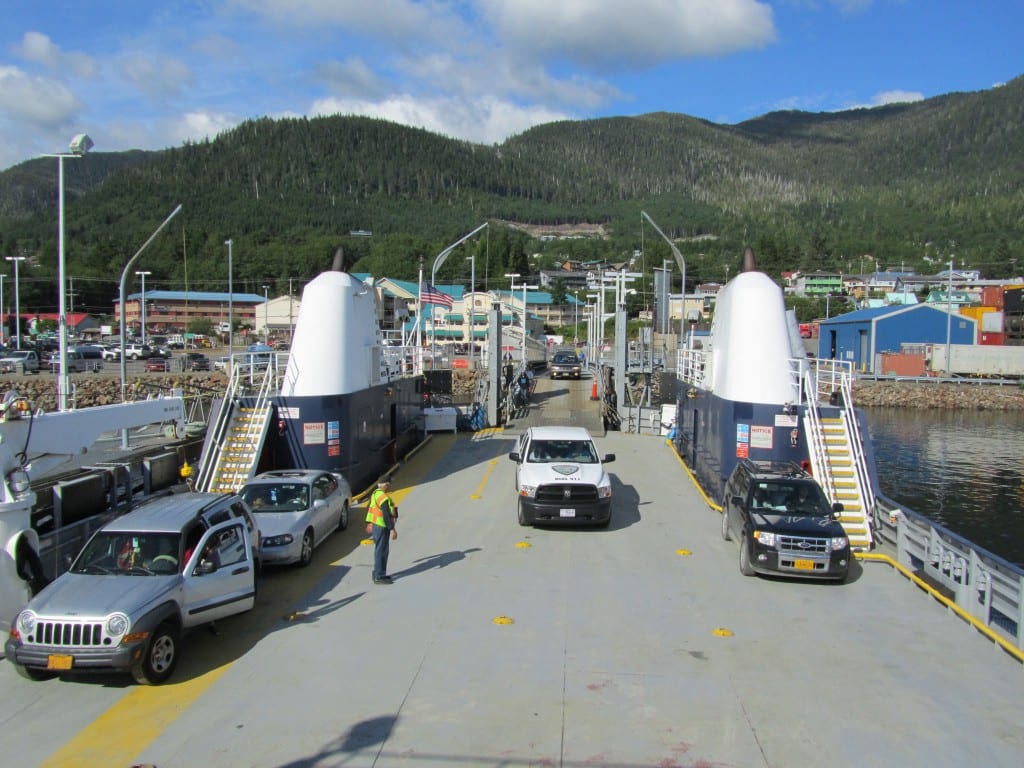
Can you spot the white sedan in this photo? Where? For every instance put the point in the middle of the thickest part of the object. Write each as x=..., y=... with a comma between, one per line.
x=296, y=510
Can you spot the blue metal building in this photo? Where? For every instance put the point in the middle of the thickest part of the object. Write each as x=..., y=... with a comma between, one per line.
x=859, y=337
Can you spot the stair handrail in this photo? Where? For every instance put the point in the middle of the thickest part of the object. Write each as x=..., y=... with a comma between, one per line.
x=821, y=467
x=253, y=429
x=856, y=440
x=211, y=459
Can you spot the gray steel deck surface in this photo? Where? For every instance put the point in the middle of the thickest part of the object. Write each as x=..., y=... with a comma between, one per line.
x=613, y=658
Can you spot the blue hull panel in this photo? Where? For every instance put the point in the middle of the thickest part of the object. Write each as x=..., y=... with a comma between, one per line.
x=359, y=434
x=713, y=434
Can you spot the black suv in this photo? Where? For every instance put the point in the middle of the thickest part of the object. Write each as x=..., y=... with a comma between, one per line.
x=783, y=522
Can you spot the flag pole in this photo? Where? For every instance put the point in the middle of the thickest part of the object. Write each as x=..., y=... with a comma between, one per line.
x=419, y=318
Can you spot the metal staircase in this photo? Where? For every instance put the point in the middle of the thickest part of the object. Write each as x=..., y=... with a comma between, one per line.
x=235, y=443
x=837, y=451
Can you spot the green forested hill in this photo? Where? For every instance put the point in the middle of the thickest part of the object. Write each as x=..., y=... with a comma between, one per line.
x=934, y=180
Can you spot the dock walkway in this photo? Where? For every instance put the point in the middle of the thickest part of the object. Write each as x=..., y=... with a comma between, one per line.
x=640, y=645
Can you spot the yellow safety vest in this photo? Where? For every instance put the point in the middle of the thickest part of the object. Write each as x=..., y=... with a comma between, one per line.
x=374, y=514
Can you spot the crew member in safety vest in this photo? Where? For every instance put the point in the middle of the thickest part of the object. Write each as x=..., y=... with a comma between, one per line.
x=380, y=523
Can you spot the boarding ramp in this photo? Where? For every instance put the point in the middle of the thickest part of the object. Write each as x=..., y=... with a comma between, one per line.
x=235, y=441
x=836, y=444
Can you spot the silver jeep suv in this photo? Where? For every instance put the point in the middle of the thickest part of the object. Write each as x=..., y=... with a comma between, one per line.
x=143, y=579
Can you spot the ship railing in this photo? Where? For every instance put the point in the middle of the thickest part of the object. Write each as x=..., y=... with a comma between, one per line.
x=691, y=367
x=986, y=586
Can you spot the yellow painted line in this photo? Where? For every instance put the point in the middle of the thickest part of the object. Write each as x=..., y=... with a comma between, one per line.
x=523, y=545
x=120, y=734
x=707, y=499
x=1005, y=644
x=480, y=488
x=502, y=620
x=683, y=552
x=721, y=632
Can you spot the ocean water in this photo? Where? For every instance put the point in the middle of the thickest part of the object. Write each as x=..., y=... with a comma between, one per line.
x=963, y=469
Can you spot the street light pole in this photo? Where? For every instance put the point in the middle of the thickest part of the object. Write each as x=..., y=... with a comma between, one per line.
x=142, y=305
x=80, y=144
x=512, y=292
x=231, y=312
x=266, y=338
x=17, y=301
x=472, y=304
x=532, y=288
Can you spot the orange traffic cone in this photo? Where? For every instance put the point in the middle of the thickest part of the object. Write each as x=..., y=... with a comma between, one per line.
x=593, y=390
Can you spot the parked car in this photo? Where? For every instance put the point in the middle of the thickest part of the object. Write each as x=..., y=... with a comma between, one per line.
x=78, y=362
x=20, y=360
x=560, y=478
x=158, y=365
x=143, y=579
x=783, y=522
x=194, y=361
x=133, y=351
x=296, y=510
x=222, y=363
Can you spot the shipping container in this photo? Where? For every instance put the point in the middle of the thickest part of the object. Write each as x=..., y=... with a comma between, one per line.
x=976, y=360
x=992, y=295
x=1013, y=299
x=902, y=364
x=992, y=322
x=992, y=338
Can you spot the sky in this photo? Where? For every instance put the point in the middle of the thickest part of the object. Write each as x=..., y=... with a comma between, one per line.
x=154, y=74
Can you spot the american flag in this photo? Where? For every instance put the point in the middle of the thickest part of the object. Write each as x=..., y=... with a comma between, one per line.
x=433, y=296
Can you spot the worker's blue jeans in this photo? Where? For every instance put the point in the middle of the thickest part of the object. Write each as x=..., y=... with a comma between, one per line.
x=381, y=545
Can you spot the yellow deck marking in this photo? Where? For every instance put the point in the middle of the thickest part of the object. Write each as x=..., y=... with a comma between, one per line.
x=118, y=735
x=523, y=545
x=721, y=632
x=683, y=552
x=121, y=733
x=480, y=488
x=503, y=620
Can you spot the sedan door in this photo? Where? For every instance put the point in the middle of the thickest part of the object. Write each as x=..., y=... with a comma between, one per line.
x=220, y=577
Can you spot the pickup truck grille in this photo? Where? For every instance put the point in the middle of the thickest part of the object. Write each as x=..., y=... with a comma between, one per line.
x=561, y=493
x=803, y=545
x=68, y=633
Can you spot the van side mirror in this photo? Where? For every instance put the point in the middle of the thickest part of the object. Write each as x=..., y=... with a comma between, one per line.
x=205, y=568
x=736, y=501
x=515, y=457
x=837, y=507
x=608, y=459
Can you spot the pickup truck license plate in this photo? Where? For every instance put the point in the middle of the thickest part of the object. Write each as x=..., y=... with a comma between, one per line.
x=803, y=565
x=59, y=661
x=567, y=513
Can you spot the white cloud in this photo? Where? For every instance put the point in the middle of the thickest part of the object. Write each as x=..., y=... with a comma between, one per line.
x=896, y=97
x=485, y=121
x=352, y=78
x=604, y=34
x=158, y=77
x=40, y=49
x=41, y=101
x=412, y=20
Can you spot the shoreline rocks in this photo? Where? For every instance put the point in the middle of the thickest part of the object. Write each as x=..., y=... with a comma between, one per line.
x=942, y=395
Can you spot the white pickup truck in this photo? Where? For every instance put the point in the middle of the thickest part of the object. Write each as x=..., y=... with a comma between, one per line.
x=19, y=361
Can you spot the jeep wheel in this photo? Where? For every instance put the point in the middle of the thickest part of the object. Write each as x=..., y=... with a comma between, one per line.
x=306, y=554
x=34, y=673
x=521, y=515
x=343, y=520
x=745, y=567
x=135, y=357
x=725, y=525
x=160, y=657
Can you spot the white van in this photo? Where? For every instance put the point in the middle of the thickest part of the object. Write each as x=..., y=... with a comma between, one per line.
x=560, y=478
